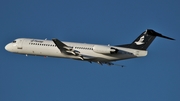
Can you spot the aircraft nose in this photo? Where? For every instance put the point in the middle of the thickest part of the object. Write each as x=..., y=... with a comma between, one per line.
x=7, y=47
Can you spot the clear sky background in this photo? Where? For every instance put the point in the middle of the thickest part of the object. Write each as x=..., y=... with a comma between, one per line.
x=152, y=78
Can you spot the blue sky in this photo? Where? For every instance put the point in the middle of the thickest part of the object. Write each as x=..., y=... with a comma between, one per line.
x=152, y=78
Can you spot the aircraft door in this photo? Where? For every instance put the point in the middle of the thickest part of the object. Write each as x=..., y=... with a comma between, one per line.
x=19, y=44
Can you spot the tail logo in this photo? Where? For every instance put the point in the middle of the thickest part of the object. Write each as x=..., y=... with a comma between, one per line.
x=140, y=42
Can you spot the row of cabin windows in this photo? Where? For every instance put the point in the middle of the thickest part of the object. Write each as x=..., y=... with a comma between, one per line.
x=55, y=46
x=84, y=48
x=42, y=44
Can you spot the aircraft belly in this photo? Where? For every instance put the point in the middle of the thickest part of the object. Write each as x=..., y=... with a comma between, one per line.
x=110, y=57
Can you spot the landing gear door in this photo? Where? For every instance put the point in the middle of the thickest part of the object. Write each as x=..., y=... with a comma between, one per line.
x=19, y=44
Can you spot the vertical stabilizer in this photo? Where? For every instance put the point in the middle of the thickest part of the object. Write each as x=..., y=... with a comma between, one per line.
x=144, y=40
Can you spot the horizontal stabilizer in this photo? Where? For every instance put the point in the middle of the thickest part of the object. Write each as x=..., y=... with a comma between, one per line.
x=152, y=32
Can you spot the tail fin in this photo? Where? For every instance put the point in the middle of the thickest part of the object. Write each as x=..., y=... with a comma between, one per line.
x=144, y=40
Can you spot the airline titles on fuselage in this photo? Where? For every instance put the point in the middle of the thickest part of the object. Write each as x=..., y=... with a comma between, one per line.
x=40, y=41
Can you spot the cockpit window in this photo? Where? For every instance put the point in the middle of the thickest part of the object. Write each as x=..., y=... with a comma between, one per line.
x=14, y=42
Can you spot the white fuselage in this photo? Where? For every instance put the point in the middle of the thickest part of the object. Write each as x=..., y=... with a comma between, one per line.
x=48, y=48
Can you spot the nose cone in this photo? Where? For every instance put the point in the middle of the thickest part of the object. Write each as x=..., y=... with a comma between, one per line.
x=7, y=47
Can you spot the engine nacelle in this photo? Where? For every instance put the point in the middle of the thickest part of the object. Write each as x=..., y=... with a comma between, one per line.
x=104, y=49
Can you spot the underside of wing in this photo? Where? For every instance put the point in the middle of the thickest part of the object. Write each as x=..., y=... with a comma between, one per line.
x=100, y=61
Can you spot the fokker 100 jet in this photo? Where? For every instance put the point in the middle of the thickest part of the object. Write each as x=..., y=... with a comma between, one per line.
x=102, y=54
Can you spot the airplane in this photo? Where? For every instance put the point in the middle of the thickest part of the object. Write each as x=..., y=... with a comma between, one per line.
x=101, y=54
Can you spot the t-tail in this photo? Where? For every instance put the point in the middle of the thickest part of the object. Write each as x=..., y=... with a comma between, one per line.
x=144, y=40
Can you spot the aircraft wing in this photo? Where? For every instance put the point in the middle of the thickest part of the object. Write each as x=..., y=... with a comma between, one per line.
x=66, y=49
x=60, y=45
